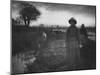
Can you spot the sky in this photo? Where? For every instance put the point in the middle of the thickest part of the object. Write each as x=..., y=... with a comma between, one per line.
x=59, y=14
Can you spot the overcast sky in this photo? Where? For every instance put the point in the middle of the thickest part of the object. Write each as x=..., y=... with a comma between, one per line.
x=59, y=14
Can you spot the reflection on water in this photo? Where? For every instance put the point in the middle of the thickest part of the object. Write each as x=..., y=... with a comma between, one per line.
x=21, y=61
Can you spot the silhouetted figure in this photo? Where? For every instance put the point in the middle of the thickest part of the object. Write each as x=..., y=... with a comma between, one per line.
x=73, y=43
x=83, y=30
x=83, y=35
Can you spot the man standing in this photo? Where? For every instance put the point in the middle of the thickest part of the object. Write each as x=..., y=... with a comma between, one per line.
x=72, y=42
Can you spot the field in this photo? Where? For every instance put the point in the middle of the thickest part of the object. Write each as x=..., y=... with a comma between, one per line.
x=44, y=50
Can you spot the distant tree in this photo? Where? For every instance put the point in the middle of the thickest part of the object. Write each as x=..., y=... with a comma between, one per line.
x=41, y=25
x=19, y=20
x=28, y=13
x=14, y=22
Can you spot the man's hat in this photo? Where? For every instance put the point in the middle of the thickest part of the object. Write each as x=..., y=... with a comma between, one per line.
x=72, y=21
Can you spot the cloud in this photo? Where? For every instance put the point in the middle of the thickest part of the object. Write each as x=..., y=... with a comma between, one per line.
x=59, y=14
x=49, y=17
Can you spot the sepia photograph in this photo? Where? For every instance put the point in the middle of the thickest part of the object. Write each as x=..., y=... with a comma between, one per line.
x=52, y=37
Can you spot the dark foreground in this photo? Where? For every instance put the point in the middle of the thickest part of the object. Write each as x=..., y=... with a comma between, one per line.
x=37, y=54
